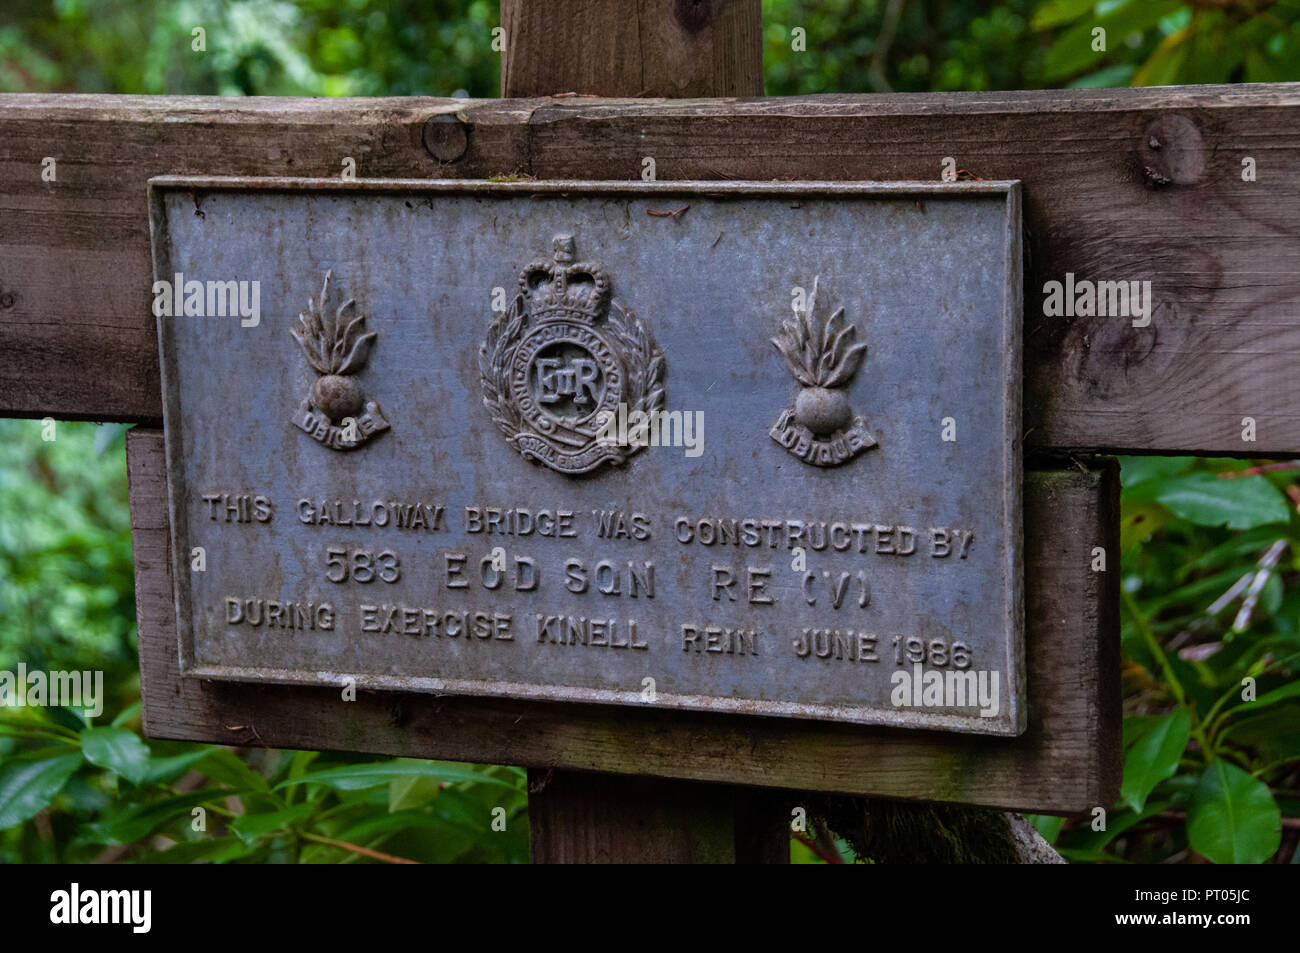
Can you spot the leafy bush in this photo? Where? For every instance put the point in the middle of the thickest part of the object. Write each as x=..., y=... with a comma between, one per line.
x=73, y=791
x=436, y=47
x=857, y=46
x=1211, y=640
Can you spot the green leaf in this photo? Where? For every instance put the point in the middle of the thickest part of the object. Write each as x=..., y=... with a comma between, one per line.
x=1284, y=693
x=141, y=820
x=67, y=718
x=172, y=767
x=1136, y=16
x=356, y=777
x=1213, y=57
x=1271, y=597
x=409, y=792
x=1261, y=68
x=1139, y=520
x=1274, y=733
x=1082, y=844
x=1055, y=12
x=1289, y=690
x=249, y=828
x=1165, y=64
x=1233, y=818
x=402, y=821
x=1243, y=503
x=28, y=784
x=107, y=435
x=1154, y=757
x=1046, y=825
x=1136, y=726
x=1134, y=470
x=1111, y=77
x=118, y=750
x=1072, y=52
x=226, y=767
x=128, y=713
x=188, y=852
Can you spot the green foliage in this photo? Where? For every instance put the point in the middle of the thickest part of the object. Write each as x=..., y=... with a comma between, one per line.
x=436, y=47
x=29, y=782
x=1232, y=818
x=1206, y=500
x=1163, y=42
x=856, y=46
x=1211, y=641
x=1153, y=754
x=73, y=791
x=251, y=47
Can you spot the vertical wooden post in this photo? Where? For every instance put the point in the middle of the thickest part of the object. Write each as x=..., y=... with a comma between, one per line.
x=632, y=48
x=668, y=48
x=577, y=817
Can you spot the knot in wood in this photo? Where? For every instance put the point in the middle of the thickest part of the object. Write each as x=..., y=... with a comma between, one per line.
x=693, y=15
x=445, y=137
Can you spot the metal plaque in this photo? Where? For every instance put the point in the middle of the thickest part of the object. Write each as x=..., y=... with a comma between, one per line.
x=736, y=447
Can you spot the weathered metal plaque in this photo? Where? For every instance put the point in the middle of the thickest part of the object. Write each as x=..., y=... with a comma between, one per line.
x=737, y=447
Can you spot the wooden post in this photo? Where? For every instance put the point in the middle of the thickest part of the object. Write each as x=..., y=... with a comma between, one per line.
x=583, y=818
x=668, y=48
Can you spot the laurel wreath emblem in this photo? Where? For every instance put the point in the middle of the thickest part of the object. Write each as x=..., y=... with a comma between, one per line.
x=494, y=353
x=643, y=364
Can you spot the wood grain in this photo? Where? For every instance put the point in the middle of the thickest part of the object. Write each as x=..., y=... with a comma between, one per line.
x=576, y=817
x=1223, y=255
x=1066, y=762
x=672, y=48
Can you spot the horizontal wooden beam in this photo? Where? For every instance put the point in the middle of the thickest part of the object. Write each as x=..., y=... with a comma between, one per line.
x=1067, y=761
x=1124, y=184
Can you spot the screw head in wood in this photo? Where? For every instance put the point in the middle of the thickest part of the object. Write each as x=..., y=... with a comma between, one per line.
x=1172, y=151
x=445, y=137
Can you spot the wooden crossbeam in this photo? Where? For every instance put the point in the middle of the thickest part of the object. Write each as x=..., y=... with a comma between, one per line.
x=1124, y=184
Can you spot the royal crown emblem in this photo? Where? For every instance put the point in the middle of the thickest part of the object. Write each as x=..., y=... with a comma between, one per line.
x=557, y=364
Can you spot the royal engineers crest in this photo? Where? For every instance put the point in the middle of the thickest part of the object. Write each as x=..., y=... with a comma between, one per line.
x=336, y=412
x=558, y=363
x=823, y=356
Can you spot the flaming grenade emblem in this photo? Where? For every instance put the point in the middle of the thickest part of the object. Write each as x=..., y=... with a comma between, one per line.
x=563, y=361
x=336, y=412
x=823, y=355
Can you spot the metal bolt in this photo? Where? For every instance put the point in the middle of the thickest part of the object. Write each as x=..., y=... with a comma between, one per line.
x=445, y=137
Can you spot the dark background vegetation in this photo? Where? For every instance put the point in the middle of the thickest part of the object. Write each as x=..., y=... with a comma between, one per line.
x=1208, y=775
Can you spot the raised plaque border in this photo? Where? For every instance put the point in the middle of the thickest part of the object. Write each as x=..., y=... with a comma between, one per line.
x=1012, y=723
